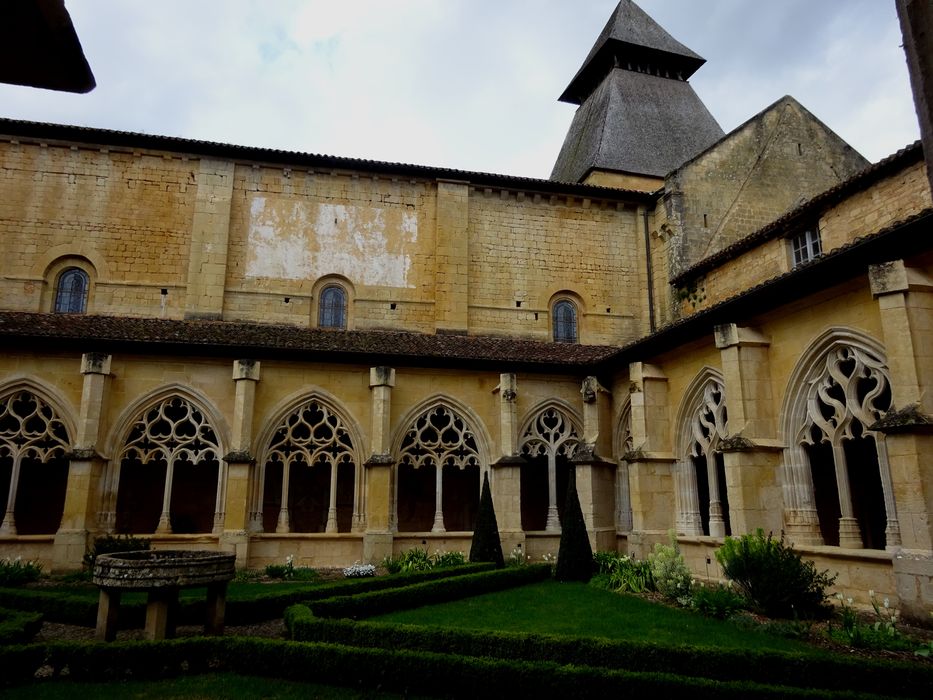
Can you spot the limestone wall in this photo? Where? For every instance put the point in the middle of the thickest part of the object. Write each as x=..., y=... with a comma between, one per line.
x=126, y=216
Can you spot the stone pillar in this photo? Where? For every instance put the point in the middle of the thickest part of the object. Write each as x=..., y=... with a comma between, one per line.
x=506, y=478
x=451, y=276
x=905, y=303
x=651, y=462
x=380, y=481
x=207, y=259
x=241, y=486
x=85, y=468
x=594, y=471
x=751, y=453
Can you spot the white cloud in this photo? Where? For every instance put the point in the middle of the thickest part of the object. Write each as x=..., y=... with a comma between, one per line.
x=468, y=84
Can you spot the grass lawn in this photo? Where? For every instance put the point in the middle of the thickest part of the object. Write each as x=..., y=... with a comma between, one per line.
x=219, y=685
x=577, y=609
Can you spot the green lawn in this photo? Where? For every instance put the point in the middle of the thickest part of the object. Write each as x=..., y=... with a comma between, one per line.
x=219, y=685
x=581, y=610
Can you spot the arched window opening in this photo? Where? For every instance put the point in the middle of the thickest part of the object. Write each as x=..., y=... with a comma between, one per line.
x=71, y=291
x=548, y=444
x=705, y=498
x=848, y=466
x=332, y=307
x=440, y=439
x=310, y=473
x=33, y=466
x=564, y=321
x=170, y=474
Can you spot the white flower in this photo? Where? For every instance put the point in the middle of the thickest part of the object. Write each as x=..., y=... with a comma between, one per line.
x=849, y=600
x=871, y=593
x=887, y=603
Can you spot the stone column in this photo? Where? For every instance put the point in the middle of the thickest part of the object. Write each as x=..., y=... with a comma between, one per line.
x=242, y=485
x=651, y=462
x=380, y=478
x=905, y=303
x=506, y=478
x=85, y=468
x=751, y=453
x=595, y=472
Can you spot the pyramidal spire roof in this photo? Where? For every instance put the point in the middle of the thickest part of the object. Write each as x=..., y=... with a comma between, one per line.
x=630, y=39
x=638, y=115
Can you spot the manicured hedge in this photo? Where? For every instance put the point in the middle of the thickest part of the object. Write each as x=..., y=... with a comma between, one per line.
x=17, y=627
x=779, y=668
x=414, y=596
x=403, y=671
x=81, y=610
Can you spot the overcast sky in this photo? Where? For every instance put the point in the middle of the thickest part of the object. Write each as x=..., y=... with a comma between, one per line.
x=468, y=84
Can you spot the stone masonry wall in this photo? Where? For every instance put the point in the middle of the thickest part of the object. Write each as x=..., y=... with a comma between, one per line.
x=893, y=199
x=526, y=248
x=128, y=214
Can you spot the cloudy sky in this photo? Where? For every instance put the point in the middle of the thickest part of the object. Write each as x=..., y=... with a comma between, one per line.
x=468, y=84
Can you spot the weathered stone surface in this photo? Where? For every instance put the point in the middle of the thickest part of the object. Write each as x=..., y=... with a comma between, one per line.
x=151, y=569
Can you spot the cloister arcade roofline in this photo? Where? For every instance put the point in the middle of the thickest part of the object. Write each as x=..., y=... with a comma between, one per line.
x=785, y=224
x=900, y=240
x=234, y=339
x=93, y=137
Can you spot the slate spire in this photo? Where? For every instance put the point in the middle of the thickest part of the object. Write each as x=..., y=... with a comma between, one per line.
x=637, y=112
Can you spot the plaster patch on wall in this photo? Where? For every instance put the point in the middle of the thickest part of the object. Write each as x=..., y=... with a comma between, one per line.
x=301, y=240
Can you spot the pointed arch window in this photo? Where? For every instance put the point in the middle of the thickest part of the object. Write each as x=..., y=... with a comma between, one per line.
x=564, y=321
x=553, y=436
x=851, y=477
x=33, y=464
x=310, y=473
x=71, y=291
x=703, y=499
x=332, y=308
x=172, y=451
x=438, y=438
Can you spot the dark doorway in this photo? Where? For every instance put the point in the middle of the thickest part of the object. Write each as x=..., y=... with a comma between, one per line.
x=139, y=496
x=40, y=496
x=825, y=491
x=194, y=496
x=460, y=497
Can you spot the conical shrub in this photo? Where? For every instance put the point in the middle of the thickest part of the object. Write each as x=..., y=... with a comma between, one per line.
x=486, y=543
x=575, y=557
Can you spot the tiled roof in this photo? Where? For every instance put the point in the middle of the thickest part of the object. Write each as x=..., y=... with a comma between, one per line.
x=806, y=211
x=87, y=333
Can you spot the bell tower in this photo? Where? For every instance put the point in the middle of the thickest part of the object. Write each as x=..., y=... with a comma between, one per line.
x=638, y=117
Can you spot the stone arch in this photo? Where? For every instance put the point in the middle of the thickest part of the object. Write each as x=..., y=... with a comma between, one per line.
x=623, y=445
x=447, y=434
x=699, y=473
x=52, y=268
x=36, y=436
x=548, y=439
x=836, y=477
x=174, y=426
x=303, y=411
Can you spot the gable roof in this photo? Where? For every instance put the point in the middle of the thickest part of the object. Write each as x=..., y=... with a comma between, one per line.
x=806, y=212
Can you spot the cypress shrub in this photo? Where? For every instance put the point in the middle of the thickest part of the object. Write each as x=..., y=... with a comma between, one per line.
x=486, y=543
x=575, y=556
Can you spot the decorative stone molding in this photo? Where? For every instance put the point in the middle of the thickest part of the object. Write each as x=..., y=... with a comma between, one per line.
x=437, y=438
x=838, y=391
x=29, y=429
x=551, y=433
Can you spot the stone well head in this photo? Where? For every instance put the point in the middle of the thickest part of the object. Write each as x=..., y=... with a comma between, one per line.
x=150, y=569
